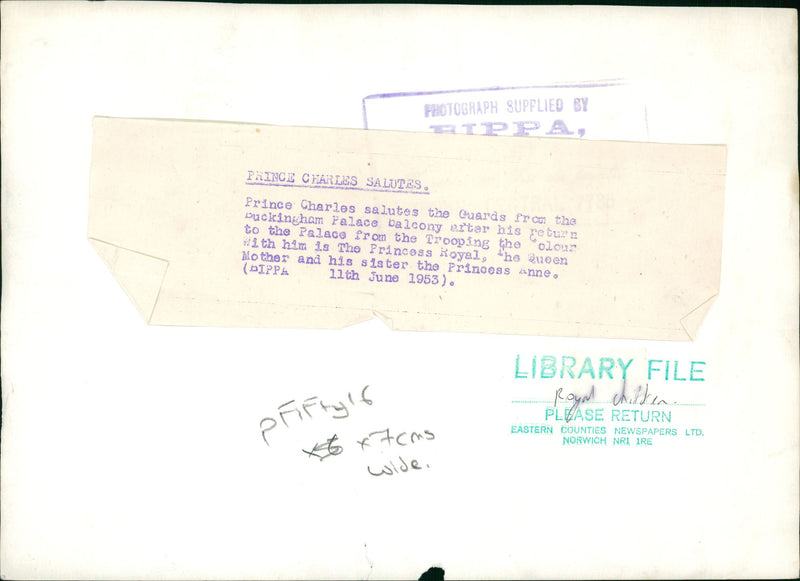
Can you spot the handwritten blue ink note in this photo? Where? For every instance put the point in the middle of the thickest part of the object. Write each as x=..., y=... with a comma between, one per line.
x=244, y=434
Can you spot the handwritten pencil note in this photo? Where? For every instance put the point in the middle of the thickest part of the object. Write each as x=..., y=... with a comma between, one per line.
x=252, y=225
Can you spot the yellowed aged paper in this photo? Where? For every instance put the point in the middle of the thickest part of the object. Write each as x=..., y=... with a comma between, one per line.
x=135, y=451
x=254, y=225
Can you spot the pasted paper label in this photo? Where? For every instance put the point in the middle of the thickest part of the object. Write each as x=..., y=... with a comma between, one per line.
x=253, y=225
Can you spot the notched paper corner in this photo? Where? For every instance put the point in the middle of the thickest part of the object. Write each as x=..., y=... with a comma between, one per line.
x=384, y=318
x=139, y=275
x=691, y=322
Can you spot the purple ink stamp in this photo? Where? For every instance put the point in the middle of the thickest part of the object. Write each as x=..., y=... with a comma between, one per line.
x=610, y=110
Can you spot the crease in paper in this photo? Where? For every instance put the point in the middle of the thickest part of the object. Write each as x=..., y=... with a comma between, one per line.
x=139, y=275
